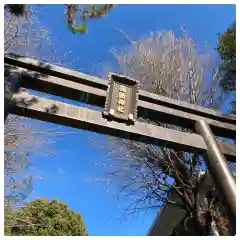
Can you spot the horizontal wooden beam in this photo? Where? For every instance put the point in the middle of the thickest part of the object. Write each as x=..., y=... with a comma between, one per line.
x=183, y=119
x=91, y=95
x=92, y=81
x=83, y=118
x=186, y=107
x=54, y=70
x=61, y=87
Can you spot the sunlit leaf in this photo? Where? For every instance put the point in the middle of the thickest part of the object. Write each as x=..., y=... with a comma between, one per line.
x=82, y=28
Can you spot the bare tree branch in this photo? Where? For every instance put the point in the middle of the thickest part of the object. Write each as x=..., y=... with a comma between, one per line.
x=174, y=67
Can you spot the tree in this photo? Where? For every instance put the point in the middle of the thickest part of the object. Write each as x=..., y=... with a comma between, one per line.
x=174, y=67
x=20, y=137
x=25, y=35
x=44, y=217
x=23, y=138
x=227, y=51
x=87, y=11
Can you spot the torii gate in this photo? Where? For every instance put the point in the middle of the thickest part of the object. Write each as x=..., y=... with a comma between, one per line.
x=123, y=101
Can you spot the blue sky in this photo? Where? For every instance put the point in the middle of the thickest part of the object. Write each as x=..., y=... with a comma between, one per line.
x=66, y=171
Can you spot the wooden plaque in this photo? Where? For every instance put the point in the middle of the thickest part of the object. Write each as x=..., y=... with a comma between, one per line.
x=122, y=98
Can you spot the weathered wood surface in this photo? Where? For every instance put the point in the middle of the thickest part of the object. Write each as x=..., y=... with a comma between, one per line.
x=83, y=118
x=88, y=80
x=94, y=96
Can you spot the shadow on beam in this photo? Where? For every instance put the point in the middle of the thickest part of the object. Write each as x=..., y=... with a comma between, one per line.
x=91, y=120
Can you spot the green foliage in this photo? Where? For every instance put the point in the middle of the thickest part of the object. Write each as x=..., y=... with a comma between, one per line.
x=227, y=43
x=44, y=217
x=95, y=10
x=86, y=12
x=227, y=51
x=81, y=28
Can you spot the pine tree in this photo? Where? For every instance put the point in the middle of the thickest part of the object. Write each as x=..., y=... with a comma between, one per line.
x=227, y=51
